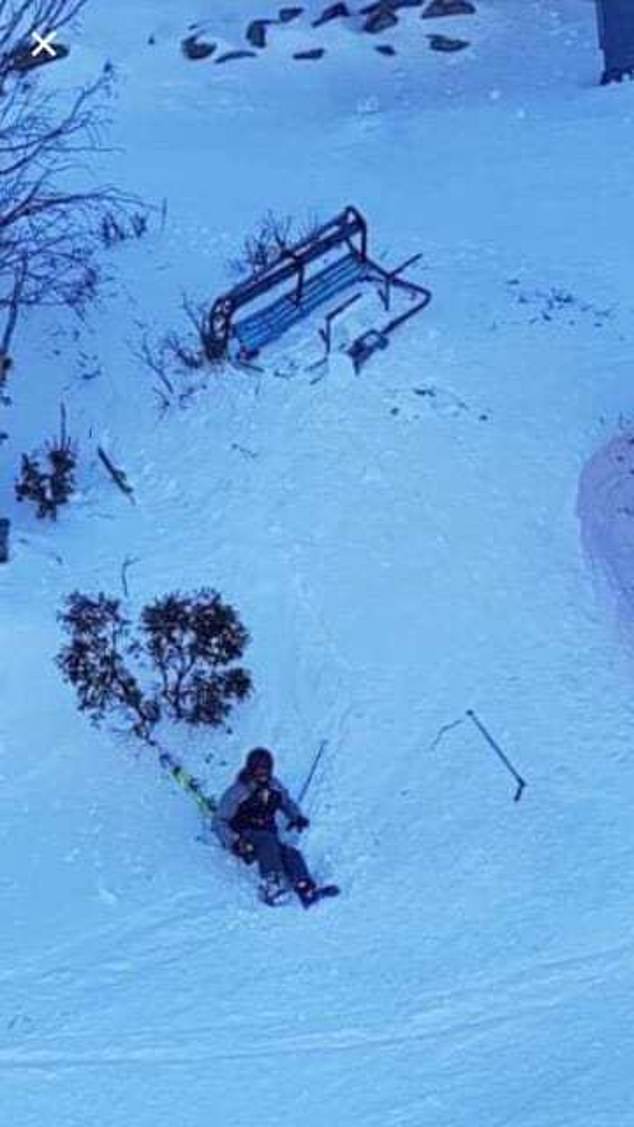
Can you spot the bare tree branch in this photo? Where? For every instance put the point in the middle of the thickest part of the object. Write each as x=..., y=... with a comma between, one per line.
x=118, y=476
x=49, y=221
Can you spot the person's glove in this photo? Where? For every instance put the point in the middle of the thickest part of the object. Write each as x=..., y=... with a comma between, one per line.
x=299, y=823
x=244, y=850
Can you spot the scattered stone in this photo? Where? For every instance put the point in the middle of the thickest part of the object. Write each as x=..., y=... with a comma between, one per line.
x=287, y=14
x=229, y=55
x=192, y=49
x=256, y=32
x=444, y=43
x=315, y=53
x=448, y=8
x=333, y=12
x=385, y=49
x=380, y=18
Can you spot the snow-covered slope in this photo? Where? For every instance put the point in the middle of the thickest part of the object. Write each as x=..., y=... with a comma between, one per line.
x=402, y=545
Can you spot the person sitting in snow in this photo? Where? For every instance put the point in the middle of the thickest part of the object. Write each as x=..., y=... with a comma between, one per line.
x=246, y=823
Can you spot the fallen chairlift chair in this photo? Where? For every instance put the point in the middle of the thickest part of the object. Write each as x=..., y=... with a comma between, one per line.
x=257, y=329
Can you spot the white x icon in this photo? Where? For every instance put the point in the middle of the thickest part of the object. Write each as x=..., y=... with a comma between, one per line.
x=43, y=43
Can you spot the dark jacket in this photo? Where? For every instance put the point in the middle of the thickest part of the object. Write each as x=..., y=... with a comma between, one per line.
x=248, y=804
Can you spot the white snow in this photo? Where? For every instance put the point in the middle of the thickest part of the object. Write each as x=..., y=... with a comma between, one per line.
x=403, y=545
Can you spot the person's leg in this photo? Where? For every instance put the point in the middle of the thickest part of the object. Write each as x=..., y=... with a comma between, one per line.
x=295, y=867
x=268, y=852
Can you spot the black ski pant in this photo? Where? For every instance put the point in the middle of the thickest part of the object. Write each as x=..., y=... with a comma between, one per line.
x=274, y=856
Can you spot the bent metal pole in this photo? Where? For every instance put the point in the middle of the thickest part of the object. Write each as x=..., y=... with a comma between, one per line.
x=521, y=783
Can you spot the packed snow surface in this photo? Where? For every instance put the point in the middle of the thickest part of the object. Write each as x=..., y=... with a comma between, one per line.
x=403, y=545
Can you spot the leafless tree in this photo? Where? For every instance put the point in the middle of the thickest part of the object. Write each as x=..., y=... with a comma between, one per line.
x=49, y=224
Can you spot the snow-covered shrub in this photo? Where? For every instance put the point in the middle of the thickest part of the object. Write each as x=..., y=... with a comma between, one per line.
x=271, y=238
x=191, y=643
x=118, y=227
x=265, y=246
x=177, y=352
x=50, y=487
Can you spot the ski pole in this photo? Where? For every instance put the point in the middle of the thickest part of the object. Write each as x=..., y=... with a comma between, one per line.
x=521, y=783
x=320, y=751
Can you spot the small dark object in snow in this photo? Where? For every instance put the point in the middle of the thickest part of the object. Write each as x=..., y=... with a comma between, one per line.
x=256, y=33
x=380, y=18
x=315, y=53
x=288, y=14
x=444, y=43
x=385, y=49
x=151, y=41
x=229, y=55
x=192, y=49
x=365, y=346
x=333, y=12
x=4, y=540
x=448, y=8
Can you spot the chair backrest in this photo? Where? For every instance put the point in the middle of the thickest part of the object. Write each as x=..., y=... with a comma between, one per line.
x=348, y=229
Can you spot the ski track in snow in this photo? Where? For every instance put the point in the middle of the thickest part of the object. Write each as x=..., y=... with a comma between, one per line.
x=530, y=991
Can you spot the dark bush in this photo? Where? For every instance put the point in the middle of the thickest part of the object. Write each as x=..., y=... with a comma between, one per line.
x=191, y=641
x=49, y=488
x=94, y=661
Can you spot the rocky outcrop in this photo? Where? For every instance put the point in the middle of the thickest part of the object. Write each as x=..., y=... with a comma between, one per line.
x=231, y=55
x=448, y=8
x=444, y=43
x=193, y=48
x=315, y=53
x=256, y=33
x=380, y=17
x=333, y=12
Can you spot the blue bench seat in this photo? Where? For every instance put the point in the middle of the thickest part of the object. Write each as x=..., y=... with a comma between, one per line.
x=268, y=324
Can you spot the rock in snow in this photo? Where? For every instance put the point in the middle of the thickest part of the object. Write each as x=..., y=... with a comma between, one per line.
x=193, y=49
x=448, y=8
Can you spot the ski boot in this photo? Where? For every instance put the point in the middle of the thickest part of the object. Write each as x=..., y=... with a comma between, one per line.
x=273, y=891
x=309, y=893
